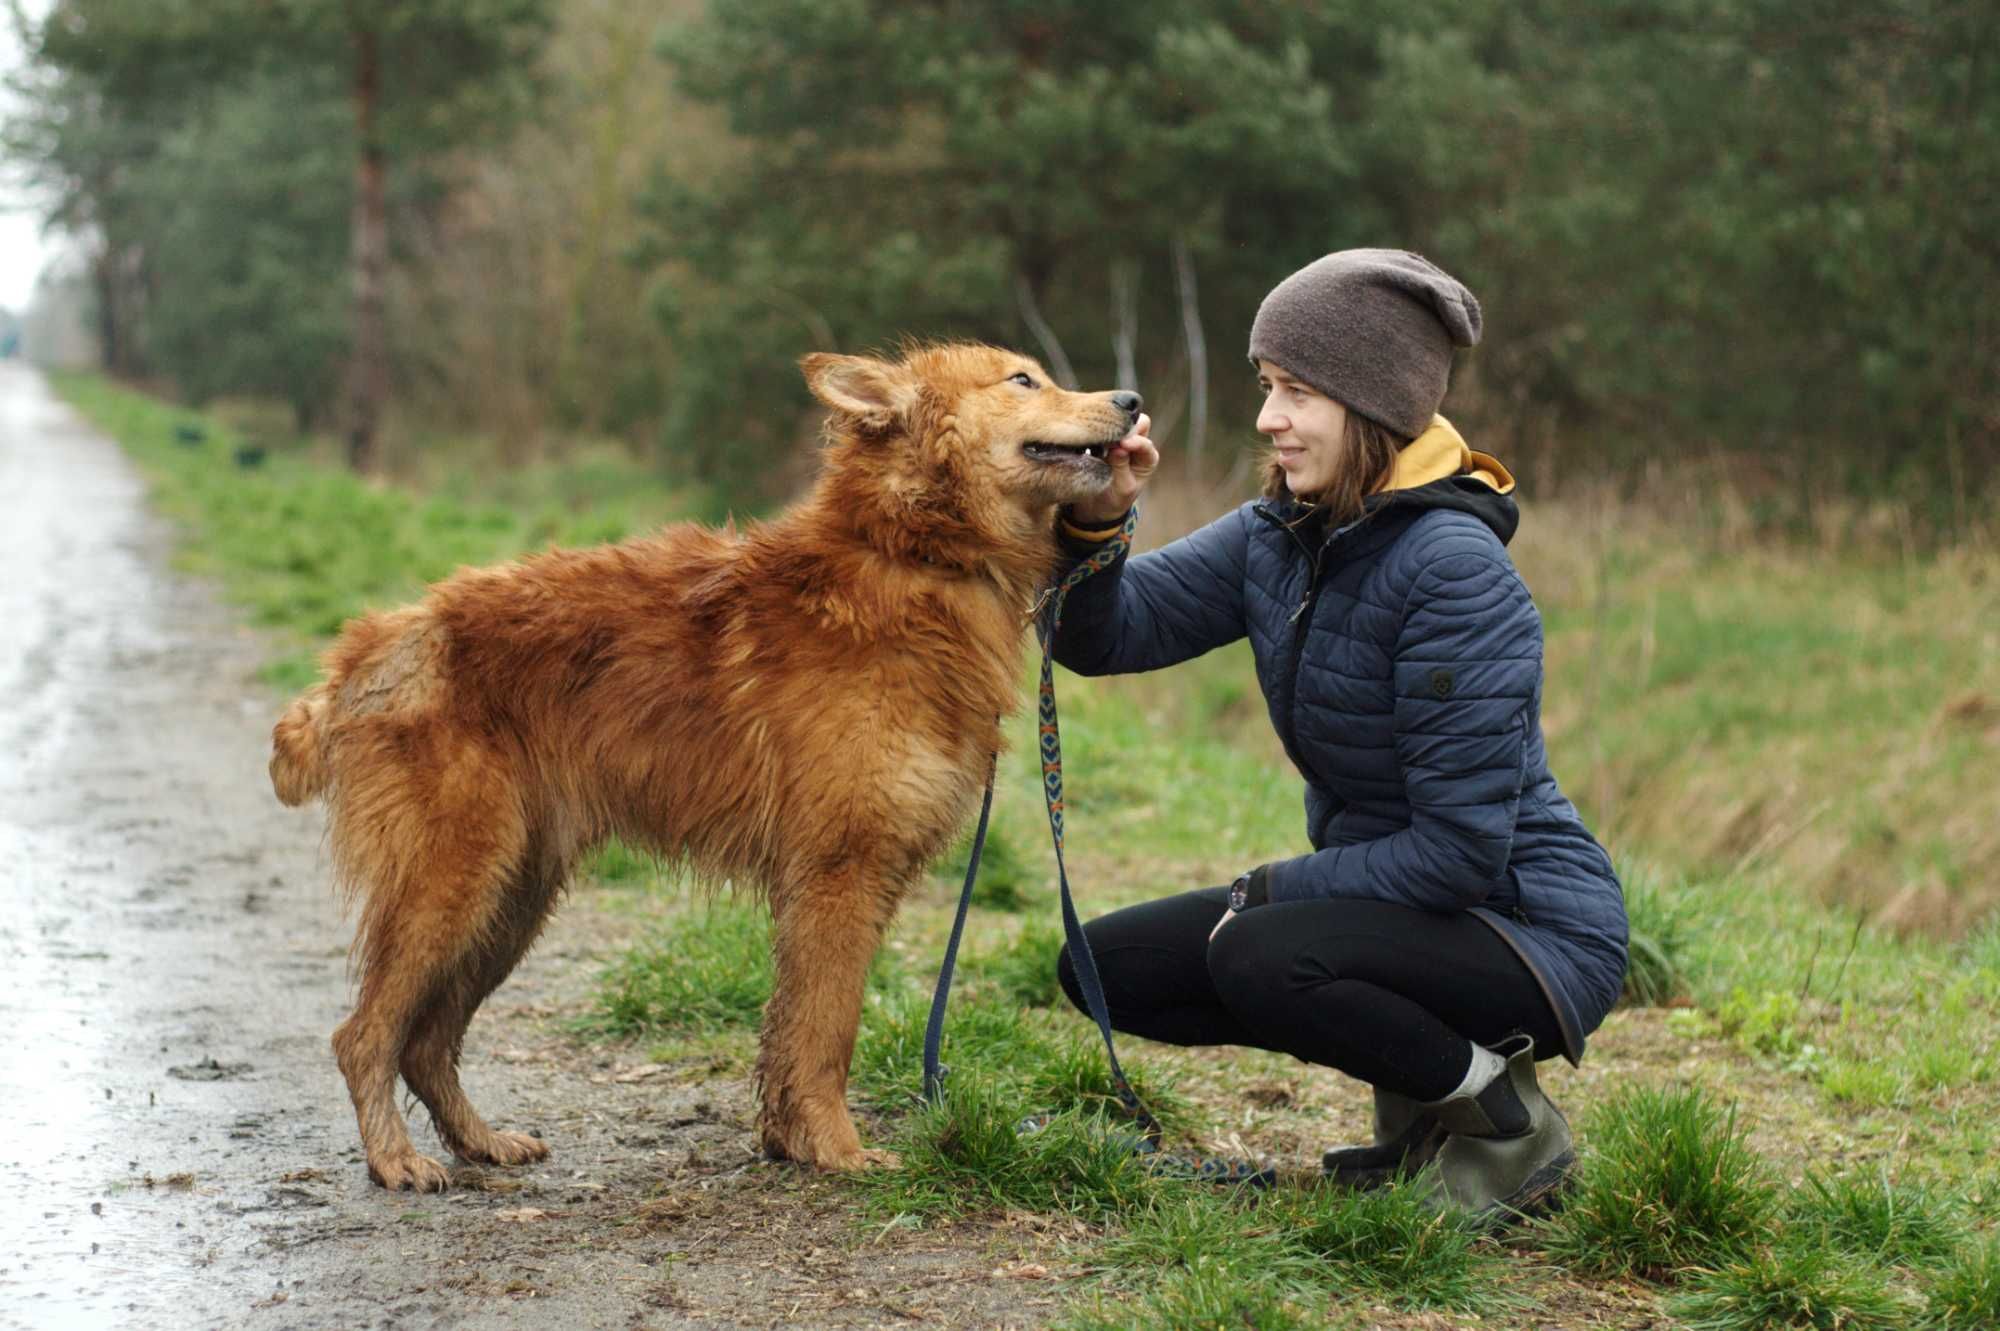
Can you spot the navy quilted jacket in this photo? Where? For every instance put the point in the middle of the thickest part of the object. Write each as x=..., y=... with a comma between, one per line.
x=1401, y=658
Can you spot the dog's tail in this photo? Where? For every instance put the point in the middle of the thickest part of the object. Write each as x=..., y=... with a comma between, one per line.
x=298, y=753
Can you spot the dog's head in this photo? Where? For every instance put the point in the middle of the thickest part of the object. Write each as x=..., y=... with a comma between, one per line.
x=962, y=444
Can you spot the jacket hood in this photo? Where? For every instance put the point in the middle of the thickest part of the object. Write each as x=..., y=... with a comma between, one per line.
x=1438, y=469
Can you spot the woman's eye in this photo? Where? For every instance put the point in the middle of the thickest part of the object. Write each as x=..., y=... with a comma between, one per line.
x=1023, y=379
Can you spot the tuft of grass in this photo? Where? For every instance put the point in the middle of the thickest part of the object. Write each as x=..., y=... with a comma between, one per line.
x=1863, y=1083
x=1963, y=1294
x=996, y=1042
x=1668, y=1184
x=1392, y=1243
x=1662, y=933
x=1194, y=1226
x=1869, y=1216
x=981, y=1040
x=707, y=970
x=1023, y=970
x=1073, y=1073
x=1210, y=1296
x=965, y=1155
x=1389, y=1247
x=1005, y=880
x=1793, y=1287
x=1764, y=1021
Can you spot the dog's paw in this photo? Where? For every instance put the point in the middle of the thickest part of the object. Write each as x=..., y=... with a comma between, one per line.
x=407, y=1171
x=511, y=1148
x=857, y=1160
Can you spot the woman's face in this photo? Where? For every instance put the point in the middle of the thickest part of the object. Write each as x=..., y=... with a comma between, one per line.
x=1307, y=427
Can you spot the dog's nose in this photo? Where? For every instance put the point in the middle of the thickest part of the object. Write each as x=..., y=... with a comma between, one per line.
x=1129, y=403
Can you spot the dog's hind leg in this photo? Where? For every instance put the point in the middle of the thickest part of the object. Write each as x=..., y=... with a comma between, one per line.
x=825, y=932
x=433, y=855
x=430, y=1060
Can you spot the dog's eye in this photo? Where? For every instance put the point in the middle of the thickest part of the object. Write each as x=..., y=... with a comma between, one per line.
x=1024, y=379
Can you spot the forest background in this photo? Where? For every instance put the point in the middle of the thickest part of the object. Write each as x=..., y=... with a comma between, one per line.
x=1750, y=236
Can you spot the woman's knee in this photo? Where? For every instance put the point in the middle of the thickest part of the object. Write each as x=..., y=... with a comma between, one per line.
x=1250, y=977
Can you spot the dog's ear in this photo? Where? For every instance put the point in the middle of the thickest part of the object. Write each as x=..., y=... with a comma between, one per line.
x=874, y=392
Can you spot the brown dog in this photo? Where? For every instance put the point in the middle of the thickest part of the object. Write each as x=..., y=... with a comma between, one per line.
x=809, y=707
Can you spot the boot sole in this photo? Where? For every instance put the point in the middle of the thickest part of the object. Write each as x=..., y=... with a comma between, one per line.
x=1541, y=1195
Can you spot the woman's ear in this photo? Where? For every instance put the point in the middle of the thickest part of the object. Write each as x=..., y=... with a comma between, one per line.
x=875, y=393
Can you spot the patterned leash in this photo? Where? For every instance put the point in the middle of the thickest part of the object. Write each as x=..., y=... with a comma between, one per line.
x=1047, y=614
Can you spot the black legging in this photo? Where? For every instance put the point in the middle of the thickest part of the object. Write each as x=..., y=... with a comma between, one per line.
x=1388, y=994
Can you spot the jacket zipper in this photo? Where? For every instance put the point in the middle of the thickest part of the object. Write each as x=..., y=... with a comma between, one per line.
x=1301, y=622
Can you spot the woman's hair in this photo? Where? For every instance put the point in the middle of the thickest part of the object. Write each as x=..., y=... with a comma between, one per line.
x=1367, y=456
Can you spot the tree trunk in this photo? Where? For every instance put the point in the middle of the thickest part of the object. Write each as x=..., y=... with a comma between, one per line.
x=1197, y=354
x=1125, y=315
x=368, y=370
x=110, y=329
x=1031, y=314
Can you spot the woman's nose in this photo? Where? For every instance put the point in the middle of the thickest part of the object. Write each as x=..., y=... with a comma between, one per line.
x=1272, y=421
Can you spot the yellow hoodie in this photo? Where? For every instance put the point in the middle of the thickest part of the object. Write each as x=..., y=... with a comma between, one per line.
x=1440, y=452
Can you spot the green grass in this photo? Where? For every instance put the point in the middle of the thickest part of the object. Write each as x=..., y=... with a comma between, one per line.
x=1006, y=881
x=1667, y=1184
x=964, y=1154
x=1211, y=1297
x=1873, y=1217
x=1794, y=1286
x=708, y=970
x=1661, y=938
x=1387, y=1247
x=1394, y=1246
x=1963, y=1294
x=1020, y=969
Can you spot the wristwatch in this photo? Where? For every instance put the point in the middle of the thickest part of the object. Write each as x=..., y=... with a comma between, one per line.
x=1249, y=889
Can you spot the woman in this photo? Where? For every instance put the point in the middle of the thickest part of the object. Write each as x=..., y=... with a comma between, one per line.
x=1455, y=921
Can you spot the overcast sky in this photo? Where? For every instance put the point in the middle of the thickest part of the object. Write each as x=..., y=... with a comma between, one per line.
x=22, y=249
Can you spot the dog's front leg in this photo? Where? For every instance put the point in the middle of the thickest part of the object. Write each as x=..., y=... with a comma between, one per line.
x=825, y=932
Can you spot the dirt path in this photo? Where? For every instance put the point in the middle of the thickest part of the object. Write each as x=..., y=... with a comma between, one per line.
x=180, y=1151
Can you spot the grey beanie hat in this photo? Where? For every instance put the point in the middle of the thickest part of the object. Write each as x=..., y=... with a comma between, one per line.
x=1373, y=329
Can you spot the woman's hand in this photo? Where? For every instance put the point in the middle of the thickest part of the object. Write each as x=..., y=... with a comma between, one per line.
x=1227, y=916
x=1132, y=461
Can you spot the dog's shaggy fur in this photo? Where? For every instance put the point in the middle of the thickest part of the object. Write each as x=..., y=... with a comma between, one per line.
x=809, y=707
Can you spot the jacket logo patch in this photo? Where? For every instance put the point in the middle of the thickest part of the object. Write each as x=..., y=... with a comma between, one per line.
x=1441, y=683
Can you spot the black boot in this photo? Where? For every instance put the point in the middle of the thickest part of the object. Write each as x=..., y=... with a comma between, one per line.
x=1407, y=1137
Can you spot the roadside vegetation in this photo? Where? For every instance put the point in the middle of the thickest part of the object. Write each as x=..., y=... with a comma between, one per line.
x=1793, y=748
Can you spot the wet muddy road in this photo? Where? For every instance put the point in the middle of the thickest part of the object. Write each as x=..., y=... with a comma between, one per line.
x=178, y=1147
